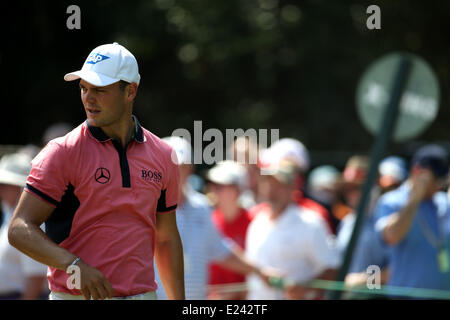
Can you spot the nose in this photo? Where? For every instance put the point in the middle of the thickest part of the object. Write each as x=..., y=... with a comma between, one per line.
x=88, y=96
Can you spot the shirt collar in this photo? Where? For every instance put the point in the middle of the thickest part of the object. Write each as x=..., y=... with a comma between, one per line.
x=101, y=136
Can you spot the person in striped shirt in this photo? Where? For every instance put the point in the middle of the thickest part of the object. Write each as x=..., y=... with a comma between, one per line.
x=202, y=243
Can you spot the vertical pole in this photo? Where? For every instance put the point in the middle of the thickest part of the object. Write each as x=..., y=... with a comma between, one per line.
x=389, y=120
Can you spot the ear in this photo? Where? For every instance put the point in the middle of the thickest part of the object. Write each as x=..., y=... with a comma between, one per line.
x=131, y=91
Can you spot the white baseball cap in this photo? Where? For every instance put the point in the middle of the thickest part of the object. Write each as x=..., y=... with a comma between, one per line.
x=107, y=64
x=395, y=167
x=228, y=172
x=182, y=148
x=14, y=169
x=323, y=177
x=286, y=149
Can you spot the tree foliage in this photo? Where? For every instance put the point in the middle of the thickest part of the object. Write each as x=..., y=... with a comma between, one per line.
x=292, y=65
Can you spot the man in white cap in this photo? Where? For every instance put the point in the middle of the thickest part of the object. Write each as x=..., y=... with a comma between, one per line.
x=107, y=192
x=20, y=276
x=294, y=151
x=202, y=243
x=289, y=238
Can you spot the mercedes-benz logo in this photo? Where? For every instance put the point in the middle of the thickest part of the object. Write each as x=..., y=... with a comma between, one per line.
x=102, y=175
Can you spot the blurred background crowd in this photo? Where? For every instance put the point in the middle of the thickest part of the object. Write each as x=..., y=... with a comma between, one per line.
x=284, y=216
x=290, y=65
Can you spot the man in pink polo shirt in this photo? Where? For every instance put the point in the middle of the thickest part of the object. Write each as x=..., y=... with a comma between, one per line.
x=107, y=192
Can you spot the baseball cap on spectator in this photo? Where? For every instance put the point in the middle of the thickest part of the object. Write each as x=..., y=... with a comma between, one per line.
x=228, y=172
x=107, y=64
x=182, y=149
x=433, y=157
x=355, y=171
x=287, y=171
x=14, y=169
x=286, y=148
x=323, y=177
x=394, y=167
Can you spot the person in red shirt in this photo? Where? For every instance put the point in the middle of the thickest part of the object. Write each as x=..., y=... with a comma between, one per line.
x=227, y=180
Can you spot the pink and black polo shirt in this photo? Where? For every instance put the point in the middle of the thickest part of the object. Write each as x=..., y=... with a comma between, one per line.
x=106, y=199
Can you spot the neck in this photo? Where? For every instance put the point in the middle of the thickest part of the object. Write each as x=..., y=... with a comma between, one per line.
x=229, y=211
x=277, y=209
x=121, y=131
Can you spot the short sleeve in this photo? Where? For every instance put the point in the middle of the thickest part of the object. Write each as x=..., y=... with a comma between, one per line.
x=383, y=211
x=168, y=199
x=48, y=178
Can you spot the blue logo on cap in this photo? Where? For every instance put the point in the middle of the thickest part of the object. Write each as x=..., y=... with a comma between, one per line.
x=95, y=58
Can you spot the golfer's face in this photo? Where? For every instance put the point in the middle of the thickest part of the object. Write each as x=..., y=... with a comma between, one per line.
x=104, y=106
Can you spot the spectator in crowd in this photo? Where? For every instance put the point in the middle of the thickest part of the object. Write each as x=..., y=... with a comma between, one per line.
x=29, y=150
x=295, y=151
x=245, y=151
x=392, y=172
x=321, y=188
x=227, y=180
x=20, y=276
x=202, y=243
x=349, y=186
x=289, y=238
x=414, y=222
x=369, y=249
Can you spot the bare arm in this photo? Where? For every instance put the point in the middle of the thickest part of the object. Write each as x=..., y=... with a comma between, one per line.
x=399, y=223
x=359, y=279
x=237, y=261
x=302, y=291
x=169, y=256
x=26, y=235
